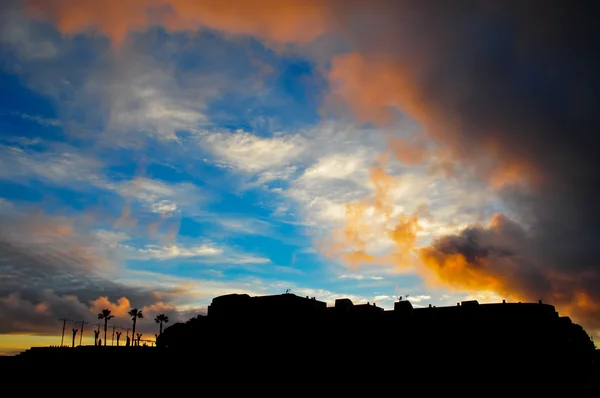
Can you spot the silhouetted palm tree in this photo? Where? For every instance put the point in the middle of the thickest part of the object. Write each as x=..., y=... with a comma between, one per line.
x=118, y=337
x=160, y=319
x=135, y=314
x=74, y=334
x=105, y=314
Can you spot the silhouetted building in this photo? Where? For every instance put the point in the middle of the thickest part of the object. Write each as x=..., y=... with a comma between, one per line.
x=470, y=347
x=518, y=338
x=535, y=325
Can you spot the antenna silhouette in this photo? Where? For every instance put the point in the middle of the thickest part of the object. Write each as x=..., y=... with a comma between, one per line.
x=81, y=331
x=62, y=339
x=288, y=291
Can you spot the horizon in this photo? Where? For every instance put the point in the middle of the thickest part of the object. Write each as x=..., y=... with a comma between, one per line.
x=52, y=340
x=156, y=154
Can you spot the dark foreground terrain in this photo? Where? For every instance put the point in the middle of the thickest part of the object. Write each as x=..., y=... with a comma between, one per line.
x=290, y=345
x=350, y=368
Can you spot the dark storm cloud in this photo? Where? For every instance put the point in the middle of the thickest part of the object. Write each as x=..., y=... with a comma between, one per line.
x=512, y=89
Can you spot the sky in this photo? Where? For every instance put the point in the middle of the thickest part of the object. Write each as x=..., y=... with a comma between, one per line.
x=155, y=154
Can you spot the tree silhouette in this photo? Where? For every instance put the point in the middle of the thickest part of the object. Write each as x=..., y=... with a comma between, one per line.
x=105, y=314
x=118, y=337
x=139, y=336
x=74, y=334
x=135, y=314
x=160, y=319
x=96, y=333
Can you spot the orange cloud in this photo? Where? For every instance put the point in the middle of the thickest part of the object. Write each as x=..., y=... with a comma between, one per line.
x=377, y=87
x=498, y=258
x=389, y=88
x=410, y=152
x=508, y=168
x=157, y=308
x=454, y=271
x=374, y=219
x=494, y=258
x=282, y=21
x=480, y=261
x=120, y=308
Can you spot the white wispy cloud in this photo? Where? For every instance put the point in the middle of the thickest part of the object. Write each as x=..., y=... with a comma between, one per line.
x=243, y=224
x=143, y=97
x=250, y=153
x=206, y=253
x=158, y=196
x=248, y=259
x=65, y=166
x=172, y=251
x=360, y=277
x=44, y=121
x=418, y=298
x=60, y=165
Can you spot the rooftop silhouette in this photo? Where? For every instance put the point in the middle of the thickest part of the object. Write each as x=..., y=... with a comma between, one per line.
x=508, y=345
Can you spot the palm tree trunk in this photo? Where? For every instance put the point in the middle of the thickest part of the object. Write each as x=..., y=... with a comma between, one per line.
x=160, y=328
x=133, y=332
x=105, y=325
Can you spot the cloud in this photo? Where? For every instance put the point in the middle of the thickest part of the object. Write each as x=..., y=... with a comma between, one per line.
x=374, y=221
x=245, y=259
x=118, y=309
x=251, y=153
x=504, y=258
x=44, y=121
x=192, y=252
x=173, y=251
x=38, y=316
x=418, y=298
x=51, y=267
x=512, y=102
x=331, y=175
x=65, y=166
x=290, y=21
x=59, y=165
x=360, y=277
x=244, y=225
x=338, y=178
x=158, y=196
x=141, y=94
x=27, y=40
x=474, y=81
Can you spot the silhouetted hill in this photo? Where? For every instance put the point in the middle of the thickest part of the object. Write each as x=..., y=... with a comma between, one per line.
x=253, y=342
